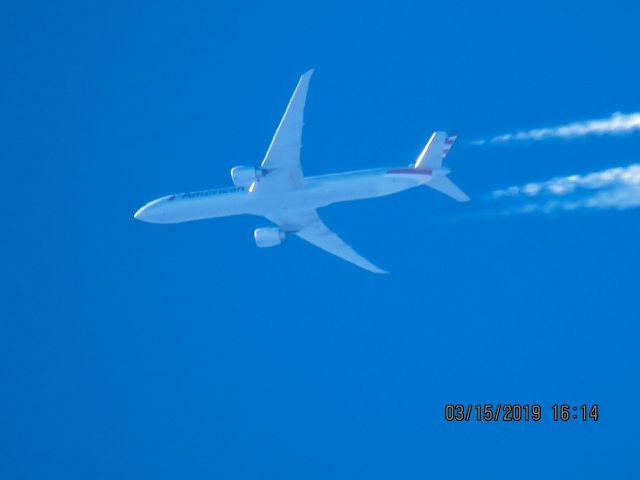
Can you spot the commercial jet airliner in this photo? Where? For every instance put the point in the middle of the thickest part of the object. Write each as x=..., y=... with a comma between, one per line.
x=277, y=190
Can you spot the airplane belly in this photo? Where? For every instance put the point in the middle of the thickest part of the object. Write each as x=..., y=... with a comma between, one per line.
x=340, y=190
x=185, y=210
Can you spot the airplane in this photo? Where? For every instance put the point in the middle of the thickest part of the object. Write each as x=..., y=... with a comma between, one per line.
x=277, y=190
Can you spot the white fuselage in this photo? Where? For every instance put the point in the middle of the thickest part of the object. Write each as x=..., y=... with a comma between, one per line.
x=318, y=191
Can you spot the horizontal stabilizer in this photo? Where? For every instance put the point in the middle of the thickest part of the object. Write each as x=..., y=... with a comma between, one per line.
x=442, y=184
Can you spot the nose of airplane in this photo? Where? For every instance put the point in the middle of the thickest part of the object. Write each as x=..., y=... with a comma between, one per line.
x=140, y=214
x=155, y=211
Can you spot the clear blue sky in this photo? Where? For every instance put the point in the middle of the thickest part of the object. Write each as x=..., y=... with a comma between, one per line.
x=130, y=350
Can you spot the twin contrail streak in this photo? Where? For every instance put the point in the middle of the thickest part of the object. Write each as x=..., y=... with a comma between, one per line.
x=615, y=188
x=617, y=123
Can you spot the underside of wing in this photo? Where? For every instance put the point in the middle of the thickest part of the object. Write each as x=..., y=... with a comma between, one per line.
x=308, y=226
x=281, y=165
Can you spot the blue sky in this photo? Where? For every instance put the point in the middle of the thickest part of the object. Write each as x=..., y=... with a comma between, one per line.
x=130, y=350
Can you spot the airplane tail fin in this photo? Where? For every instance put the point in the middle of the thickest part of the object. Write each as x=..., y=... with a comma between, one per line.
x=435, y=150
x=431, y=158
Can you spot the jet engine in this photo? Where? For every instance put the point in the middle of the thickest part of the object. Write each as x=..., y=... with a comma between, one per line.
x=245, y=176
x=268, y=236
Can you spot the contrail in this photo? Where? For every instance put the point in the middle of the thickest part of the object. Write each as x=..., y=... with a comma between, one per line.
x=616, y=188
x=616, y=124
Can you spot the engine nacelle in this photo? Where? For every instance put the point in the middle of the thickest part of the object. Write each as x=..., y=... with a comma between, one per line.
x=268, y=236
x=245, y=176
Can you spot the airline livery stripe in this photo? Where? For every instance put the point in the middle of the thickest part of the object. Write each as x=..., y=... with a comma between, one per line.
x=411, y=171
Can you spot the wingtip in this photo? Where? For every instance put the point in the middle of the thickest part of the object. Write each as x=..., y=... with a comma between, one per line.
x=309, y=72
x=378, y=271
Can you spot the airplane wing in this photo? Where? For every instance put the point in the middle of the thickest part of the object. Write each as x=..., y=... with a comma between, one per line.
x=308, y=226
x=281, y=164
